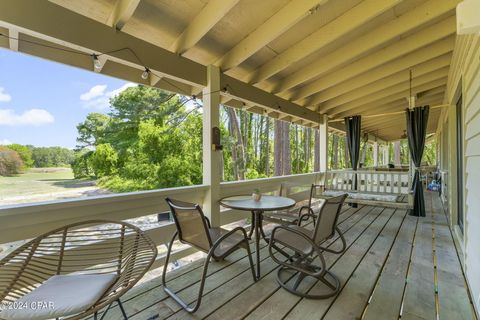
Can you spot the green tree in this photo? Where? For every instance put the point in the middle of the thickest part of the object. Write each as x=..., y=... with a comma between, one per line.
x=24, y=152
x=104, y=160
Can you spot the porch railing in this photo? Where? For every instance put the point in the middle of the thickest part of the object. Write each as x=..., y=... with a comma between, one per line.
x=21, y=222
x=369, y=181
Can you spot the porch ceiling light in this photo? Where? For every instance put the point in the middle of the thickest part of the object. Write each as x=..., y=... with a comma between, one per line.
x=145, y=74
x=96, y=63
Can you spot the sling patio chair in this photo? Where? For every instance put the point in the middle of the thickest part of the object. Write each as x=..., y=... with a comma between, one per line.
x=74, y=271
x=194, y=229
x=307, y=246
x=302, y=211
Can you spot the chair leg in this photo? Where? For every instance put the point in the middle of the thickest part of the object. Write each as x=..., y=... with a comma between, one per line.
x=172, y=294
x=292, y=286
x=120, y=305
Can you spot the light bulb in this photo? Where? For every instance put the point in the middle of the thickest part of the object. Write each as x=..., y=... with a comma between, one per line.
x=96, y=63
x=145, y=74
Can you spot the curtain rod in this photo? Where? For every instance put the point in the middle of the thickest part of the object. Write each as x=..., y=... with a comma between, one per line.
x=389, y=114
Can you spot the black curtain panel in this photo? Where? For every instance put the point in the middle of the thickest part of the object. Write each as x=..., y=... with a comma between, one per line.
x=352, y=128
x=417, y=119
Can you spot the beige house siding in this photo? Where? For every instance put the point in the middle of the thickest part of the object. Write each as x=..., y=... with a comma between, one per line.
x=464, y=80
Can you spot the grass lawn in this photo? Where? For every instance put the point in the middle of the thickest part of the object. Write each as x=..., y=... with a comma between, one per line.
x=44, y=184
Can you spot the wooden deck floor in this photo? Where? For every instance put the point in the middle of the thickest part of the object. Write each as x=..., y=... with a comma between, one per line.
x=395, y=266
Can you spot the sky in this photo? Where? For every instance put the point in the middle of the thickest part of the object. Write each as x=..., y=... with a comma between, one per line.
x=41, y=102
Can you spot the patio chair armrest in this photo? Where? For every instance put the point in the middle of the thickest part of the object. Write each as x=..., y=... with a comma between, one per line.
x=208, y=222
x=228, y=234
x=309, y=209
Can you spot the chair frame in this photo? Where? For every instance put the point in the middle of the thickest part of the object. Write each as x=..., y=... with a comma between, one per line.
x=135, y=270
x=210, y=254
x=303, y=263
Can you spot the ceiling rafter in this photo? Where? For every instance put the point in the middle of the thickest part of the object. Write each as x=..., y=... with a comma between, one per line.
x=277, y=24
x=370, y=106
x=13, y=40
x=122, y=12
x=400, y=90
x=208, y=17
x=419, y=40
x=412, y=19
x=389, y=82
x=345, y=23
x=410, y=61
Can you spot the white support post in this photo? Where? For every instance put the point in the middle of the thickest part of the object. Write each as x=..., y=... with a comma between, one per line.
x=211, y=158
x=375, y=154
x=385, y=155
x=323, y=131
x=396, y=154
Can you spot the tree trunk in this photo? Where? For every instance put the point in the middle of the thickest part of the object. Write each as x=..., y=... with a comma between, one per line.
x=335, y=152
x=346, y=155
x=297, y=151
x=267, y=147
x=287, y=159
x=239, y=149
x=278, y=147
x=307, y=150
x=316, y=160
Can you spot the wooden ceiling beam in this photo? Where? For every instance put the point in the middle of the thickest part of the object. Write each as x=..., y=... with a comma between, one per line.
x=399, y=90
x=43, y=18
x=13, y=38
x=393, y=80
x=411, y=61
x=122, y=12
x=394, y=106
x=348, y=21
x=277, y=24
x=208, y=17
x=253, y=95
x=359, y=109
x=420, y=39
x=407, y=22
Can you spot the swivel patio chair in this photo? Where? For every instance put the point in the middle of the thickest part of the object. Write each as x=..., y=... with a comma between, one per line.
x=74, y=271
x=194, y=229
x=307, y=246
x=302, y=211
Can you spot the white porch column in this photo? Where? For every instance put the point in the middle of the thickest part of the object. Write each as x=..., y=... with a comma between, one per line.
x=323, y=130
x=375, y=154
x=396, y=154
x=385, y=155
x=211, y=158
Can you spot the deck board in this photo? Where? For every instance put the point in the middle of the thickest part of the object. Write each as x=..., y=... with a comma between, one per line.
x=393, y=263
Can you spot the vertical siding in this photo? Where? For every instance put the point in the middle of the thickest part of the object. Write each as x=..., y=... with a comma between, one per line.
x=467, y=65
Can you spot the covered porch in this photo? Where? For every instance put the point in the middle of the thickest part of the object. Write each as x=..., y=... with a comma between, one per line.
x=311, y=63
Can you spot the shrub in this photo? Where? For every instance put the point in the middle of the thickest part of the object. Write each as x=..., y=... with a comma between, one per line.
x=10, y=162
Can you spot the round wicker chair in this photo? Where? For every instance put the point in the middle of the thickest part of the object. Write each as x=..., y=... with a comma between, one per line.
x=96, y=247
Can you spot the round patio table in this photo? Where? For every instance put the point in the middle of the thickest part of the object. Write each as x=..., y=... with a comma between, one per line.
x=266, y=203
